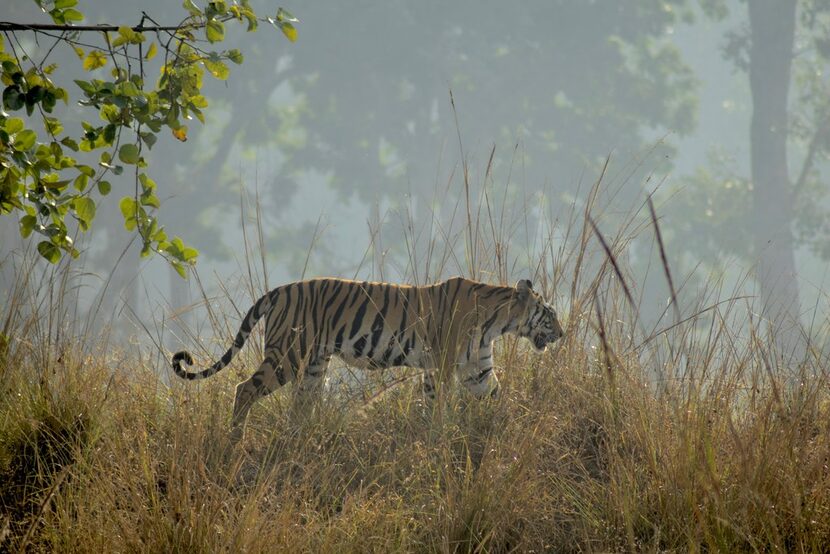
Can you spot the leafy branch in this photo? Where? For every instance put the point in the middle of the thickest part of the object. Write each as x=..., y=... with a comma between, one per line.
x=41, y=179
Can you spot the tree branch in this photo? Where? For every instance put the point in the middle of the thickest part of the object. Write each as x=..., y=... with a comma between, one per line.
x=11, y=26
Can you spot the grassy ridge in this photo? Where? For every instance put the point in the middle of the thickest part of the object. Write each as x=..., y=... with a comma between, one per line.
x=572, y=457
x=693, y=437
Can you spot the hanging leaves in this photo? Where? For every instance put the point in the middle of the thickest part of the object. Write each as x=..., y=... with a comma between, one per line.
x=94, y=60
x=43, y=185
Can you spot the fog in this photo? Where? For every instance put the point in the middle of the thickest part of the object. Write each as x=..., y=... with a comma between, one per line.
x=360, y=150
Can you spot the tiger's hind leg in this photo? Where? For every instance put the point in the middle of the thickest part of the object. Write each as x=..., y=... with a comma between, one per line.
x=267, y=378
x=310, y=384
x=313, y=377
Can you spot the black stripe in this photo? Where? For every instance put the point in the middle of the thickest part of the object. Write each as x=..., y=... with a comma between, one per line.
x=478, y=379
x=297, y=305
x=338, y=340
x=486, y=327
x=358, y=289
x=339, y=312
x=379, y=323
x=359, y=345
x=358, y=317
x=292, y=358
x=387, y=353
x=335, y=291
x=324, y=319
x=278, y=324
x=317, y=293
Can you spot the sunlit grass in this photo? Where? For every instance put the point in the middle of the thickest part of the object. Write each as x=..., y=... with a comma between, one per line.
x=694, y=438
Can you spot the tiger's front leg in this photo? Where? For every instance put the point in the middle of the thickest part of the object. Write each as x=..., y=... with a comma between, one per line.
x=477, y=374
x=428, y=385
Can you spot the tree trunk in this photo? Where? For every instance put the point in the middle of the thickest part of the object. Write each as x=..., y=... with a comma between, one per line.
x=772, y=24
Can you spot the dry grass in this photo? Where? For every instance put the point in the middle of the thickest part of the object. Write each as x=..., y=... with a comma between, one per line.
x=697, y=438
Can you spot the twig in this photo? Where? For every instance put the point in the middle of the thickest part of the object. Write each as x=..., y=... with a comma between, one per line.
x=663, y=258
x=614, y=264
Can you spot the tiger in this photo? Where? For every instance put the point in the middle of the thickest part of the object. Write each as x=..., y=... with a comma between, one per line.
x=446, y=327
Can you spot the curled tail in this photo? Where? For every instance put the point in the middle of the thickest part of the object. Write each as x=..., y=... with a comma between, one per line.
x=260, y=307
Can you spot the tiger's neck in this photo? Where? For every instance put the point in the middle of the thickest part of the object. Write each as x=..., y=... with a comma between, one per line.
x=499, y=318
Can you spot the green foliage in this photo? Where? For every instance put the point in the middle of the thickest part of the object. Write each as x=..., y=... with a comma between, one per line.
x=43, y=179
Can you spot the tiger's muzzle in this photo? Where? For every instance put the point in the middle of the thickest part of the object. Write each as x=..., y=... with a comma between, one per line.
x=542, y=340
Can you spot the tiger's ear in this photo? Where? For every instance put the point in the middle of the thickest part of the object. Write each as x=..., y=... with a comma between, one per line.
x=524, y=287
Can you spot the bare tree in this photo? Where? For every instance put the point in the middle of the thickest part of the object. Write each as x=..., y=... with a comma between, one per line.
x=772, y=28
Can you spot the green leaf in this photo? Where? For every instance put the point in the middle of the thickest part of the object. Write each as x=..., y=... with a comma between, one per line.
x=49, y=251
x=13, y=99
x=149, y=139
x=189, y=254
x=53, y=125
x=147, y=184
x=215, y=30
x=253, y=23
x=235, y=56
x=129, y=34
x=85, y=86
x=128, y=153
x=285, y=27
x=218, y=7
x=24, y=140
x=199, y=101
x=109, y=133
x=85, y=210
x=14, y=125
x=151, y=51
x=289, y=31
x=27, y=225
x=150, y=199
x=49, y=101
x=85, y=170
x=217, y=69
x=72, y=15
x=191, y=7
x=285, y=23
x=81, y=182
x=284, y=16
x=63, y=4
x=128, y=210
x=94, y=60
x=104, y=187
x=179, y=269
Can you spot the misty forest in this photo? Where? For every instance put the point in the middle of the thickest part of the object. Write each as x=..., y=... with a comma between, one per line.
x=534, y=276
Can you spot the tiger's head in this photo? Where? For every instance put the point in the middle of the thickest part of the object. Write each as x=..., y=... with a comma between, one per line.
x=538, y=322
